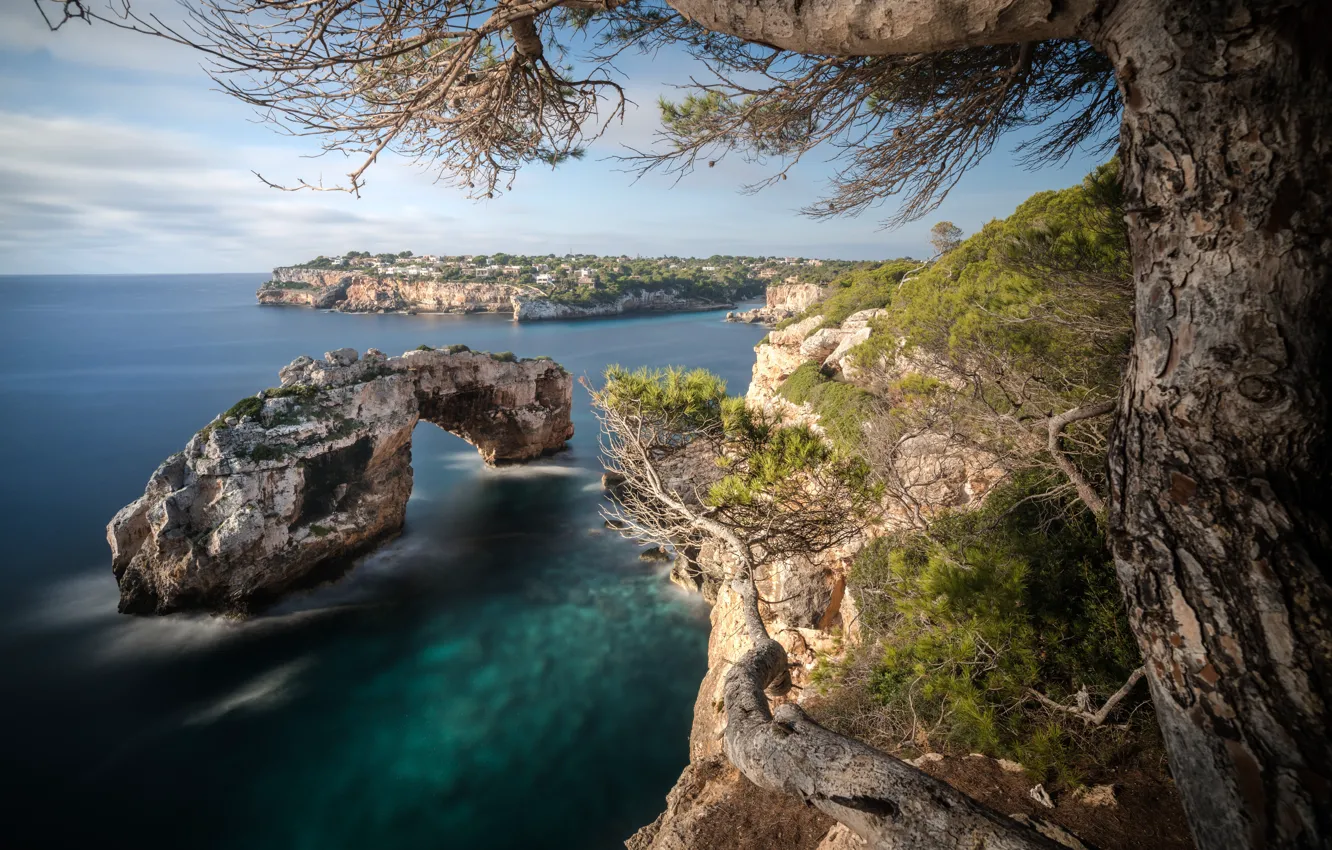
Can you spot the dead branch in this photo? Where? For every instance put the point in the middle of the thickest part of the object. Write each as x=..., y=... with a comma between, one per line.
x=1082, y=701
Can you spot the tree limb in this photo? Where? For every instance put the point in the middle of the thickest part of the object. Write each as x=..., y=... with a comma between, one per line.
x=1057, y=424
x=1096, y=718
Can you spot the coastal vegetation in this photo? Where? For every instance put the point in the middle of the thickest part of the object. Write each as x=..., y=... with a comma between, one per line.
x=996, y=628
x=588, y=279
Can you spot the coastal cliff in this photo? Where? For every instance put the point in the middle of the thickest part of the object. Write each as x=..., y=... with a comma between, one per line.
x=359, y=292
x=287, y=486
x=528, y=308
x=814, y=613
x=783, y=301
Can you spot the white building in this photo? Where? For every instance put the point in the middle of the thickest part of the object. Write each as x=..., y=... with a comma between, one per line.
x=544, y=279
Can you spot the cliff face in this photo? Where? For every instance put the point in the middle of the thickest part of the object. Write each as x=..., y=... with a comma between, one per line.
x=814, y=612
x=353, y=292
x=527, y=308
x=783, y=301
x=370, y=296
x=291, y=484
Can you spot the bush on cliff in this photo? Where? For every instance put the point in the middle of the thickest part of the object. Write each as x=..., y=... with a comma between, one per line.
x=966, y=618
x=1046, y=292
x=842, y=408
x=862, y=289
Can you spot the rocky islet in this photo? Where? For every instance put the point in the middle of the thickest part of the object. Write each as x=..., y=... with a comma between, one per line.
x=288, y=486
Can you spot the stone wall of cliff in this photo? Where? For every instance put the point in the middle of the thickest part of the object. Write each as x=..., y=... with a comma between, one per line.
x=796, y=297
x=534, y=308
x=813, y=611
x=357, y=292
x=782, y=301
x=287, y=486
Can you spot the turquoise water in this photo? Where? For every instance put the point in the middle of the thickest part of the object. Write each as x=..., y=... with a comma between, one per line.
x=505, y=674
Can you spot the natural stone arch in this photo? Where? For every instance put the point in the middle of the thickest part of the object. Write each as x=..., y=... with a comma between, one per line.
x=288, y=486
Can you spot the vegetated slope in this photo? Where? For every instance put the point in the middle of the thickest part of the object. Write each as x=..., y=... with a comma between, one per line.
x=967, y=613
x=981, y=614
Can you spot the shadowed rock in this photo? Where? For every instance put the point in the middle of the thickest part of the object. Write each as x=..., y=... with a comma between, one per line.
x=284, y=489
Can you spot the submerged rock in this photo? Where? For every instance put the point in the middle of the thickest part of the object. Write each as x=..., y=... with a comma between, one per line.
x=284, y=489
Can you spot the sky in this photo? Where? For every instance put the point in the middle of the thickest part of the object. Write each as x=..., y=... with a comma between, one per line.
x=118, y=155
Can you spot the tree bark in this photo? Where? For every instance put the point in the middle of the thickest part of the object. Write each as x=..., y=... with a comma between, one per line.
x=1219, y=460
x=883, y=27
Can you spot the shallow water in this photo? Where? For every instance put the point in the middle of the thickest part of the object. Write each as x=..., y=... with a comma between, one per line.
x=505, y=674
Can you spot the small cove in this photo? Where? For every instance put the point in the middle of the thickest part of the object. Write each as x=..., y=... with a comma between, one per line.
x=506, y=673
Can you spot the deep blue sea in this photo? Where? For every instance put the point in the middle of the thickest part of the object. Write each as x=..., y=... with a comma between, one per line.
x=506, y=674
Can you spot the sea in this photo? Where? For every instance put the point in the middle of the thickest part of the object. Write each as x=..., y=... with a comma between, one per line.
x=507, y=673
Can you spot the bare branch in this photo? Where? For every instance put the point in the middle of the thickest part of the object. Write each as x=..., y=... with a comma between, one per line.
x=1095, y=718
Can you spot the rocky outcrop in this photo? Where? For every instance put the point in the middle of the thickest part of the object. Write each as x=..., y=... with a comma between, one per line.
x=783, y=301
x=357, y=292
x=284, y=489
x=425, y=296
x=813, y=611
x=529, y=308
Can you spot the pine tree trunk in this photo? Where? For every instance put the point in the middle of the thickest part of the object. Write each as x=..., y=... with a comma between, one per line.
x=1220, y=472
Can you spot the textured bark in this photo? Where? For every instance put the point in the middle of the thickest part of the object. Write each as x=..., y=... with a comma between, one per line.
x=881, y=27
x=1219, y=461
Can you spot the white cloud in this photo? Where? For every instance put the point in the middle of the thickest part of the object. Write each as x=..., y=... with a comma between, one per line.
x=99, y=45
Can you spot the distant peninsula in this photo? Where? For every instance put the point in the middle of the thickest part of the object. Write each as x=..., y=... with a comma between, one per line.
x=532, y=288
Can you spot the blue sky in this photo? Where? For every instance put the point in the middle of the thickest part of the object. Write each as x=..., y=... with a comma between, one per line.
x=117, y=156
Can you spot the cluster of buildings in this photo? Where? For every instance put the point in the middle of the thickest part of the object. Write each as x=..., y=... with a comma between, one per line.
x=572, y=270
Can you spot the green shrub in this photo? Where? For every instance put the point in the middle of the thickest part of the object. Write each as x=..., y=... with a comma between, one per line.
x=842, y=408
x=457, y=348
x=248, y=406
x=989, y=603
x=262, y=451
x=800, y=383
x=505, y=357
x=288, y=284
x=424, y=348
x=681, y=400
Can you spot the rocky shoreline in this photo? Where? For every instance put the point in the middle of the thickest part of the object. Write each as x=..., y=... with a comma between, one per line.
x=289, y=485
x=783, y=301
x=351, y=292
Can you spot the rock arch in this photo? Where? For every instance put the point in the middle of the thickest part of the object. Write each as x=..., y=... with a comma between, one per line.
x=287, y=487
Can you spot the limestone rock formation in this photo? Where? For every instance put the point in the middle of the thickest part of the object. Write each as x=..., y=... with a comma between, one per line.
x=812, y=611
x=528, y=308
x=783, y=301
x=284, y=489
x=358, y=292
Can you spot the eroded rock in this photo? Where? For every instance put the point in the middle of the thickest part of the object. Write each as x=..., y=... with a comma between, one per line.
x=290, y=485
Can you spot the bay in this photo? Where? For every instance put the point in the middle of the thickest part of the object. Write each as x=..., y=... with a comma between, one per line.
x=505, y=674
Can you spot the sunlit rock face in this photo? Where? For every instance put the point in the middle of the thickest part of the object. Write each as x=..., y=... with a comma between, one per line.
x=808, y=605
x=532, y=308
x=359, y=292
x=783, y=301
x=289, y=486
